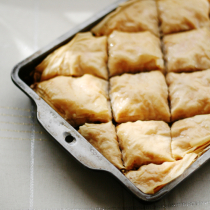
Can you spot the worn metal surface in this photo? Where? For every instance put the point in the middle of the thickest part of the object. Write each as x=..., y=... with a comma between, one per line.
x=59, y=129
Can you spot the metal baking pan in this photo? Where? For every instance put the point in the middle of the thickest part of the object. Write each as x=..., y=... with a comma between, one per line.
x=65, y=134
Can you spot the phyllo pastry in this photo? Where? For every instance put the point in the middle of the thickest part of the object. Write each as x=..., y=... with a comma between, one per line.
x=78, y=100
x=190, y=135
x=189, y=94
x=144, y=142
x=104, y=138
x=187, y=51
x=151, y=178
x=142, y=96
x=134, y=52
x=183, y=15
x=84, y=54
x=131, y=16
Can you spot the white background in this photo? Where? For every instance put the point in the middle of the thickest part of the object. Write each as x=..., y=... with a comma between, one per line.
x=34, y=172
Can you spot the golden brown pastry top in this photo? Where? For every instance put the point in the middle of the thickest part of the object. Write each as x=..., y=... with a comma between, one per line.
x=134, y=52
x=183, y=15
x=190, y=135
x=187, y=51
x=142, y=96
x=104, y=138
x=78, y=100
x=189, y=94
x=131, y=16
x=151, y=178
x=144, y=142
x=84, y=54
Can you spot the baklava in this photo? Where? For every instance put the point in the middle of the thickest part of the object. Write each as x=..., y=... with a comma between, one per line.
x=78, y=100
x=142, y=96
x=113, y=84
x=187, y=51
x=151, y=178
x=182, y=15
x=104, y=138
x=144, y=142
x=190, y=135
x=84, y=54
x=189, y=94
x=134, y=52
x=131, y=16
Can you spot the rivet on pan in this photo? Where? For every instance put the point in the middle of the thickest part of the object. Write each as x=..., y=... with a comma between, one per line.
x=70, y=139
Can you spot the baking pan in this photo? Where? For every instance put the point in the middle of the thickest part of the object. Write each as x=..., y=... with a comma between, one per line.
x=65, y=134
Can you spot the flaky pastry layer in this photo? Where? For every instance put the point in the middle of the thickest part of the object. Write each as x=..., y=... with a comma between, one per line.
x=78, y=100
x=189, y=94
x=131, y=16
x=190, y=135
x=134, y=52
x=144, y=142
x=151, y=178
x=187, y=51
x=183, y=15
x=142, y=96
x=104, y=138
x=84, y=54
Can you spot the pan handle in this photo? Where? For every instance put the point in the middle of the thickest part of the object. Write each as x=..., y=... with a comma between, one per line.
x=78, y=146
x=70, y=139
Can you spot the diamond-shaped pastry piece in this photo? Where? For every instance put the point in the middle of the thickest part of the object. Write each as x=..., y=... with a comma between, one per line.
x=189, y=94
x=131, y=16
x=183, y=15
x=144, y=142
x=142, y=96
x=190, y=135
x=78, y=100
x=134, y=52
x=151, y=178
x=187, y=51
x=84, y=54
x=104, y=138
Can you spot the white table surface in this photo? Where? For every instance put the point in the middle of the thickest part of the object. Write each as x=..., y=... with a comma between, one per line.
x=34, y=172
